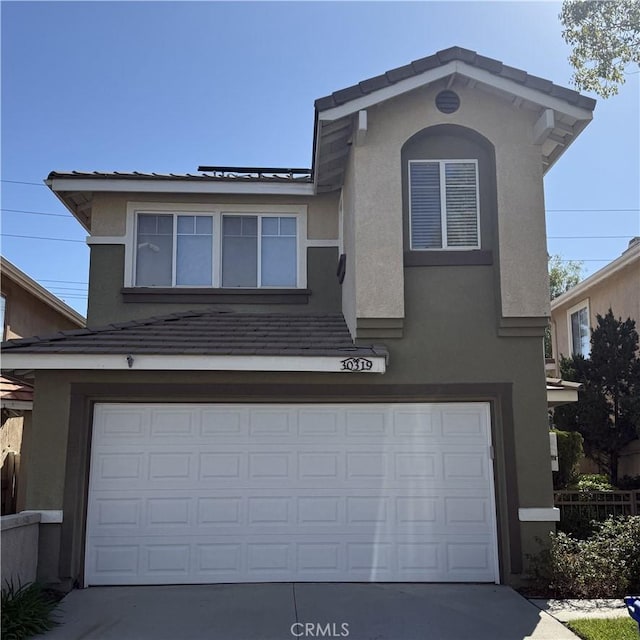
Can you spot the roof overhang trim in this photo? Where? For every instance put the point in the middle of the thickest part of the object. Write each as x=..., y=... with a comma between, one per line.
x=35, y=289
x=630, y=256
x=149, y=185
x=463, y=69
x=16, y=405
x=114, y=362
x=556, y=138
x=557, y=397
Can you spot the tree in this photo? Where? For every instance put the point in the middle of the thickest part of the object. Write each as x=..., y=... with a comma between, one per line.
x=607, y=413
x=605, y=37
x=563, y=274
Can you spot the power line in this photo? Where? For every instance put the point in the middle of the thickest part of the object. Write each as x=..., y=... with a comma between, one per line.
x=589, y=210
x=587, y=237
x=15, y=235
x=40, y=213
x=68, y=217
x=587, y=259
x=62, y=281
x=35, y=184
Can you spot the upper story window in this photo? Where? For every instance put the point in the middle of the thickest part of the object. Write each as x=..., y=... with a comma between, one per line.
x=218, y=249
x=259, y=249
x=579, y=329
x=174, y=250
x=443, y=204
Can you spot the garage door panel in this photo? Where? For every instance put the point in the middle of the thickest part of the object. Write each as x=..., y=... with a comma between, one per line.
x=353, y=559
x=234, y=493
x=419, y=512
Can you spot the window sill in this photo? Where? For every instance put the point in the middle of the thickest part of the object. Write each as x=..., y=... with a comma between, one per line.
x=204, y=295
x=448, y=258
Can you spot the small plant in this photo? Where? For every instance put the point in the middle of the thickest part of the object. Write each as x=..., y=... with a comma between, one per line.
x=605, y=565
x=26, y=611
x=594, y=482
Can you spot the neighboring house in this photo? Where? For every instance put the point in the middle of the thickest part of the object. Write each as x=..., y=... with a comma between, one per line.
x=573, y=317
x=27, y=309
x=237, y=413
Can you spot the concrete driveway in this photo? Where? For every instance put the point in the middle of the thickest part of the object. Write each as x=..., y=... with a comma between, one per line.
x=303, y=610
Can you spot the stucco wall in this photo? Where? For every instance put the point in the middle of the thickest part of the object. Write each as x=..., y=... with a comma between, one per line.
x=620, y=292
x=108, y=214
x=106, y=279
x=19, y=548
x=27, y=316
x=351, y=250
x=378, y=199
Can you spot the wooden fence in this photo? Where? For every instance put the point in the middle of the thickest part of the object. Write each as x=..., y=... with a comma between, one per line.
x=9, y=482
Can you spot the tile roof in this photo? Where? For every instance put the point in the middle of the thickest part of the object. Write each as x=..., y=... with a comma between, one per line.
x=11, y=389
x=209, y=332
x=495, y=67
x=217, y=176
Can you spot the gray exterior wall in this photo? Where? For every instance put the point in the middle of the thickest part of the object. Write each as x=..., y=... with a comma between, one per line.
x=107, y=303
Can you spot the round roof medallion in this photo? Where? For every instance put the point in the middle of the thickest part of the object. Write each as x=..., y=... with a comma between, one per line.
x=447, y=101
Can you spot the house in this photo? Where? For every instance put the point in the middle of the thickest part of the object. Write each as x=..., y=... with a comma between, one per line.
x=573, y=316
x=26, y=309
x=332, y=374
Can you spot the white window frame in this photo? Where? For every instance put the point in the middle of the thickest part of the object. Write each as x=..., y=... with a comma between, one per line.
x=584, y=304
x=299, y=212
x=443, y=209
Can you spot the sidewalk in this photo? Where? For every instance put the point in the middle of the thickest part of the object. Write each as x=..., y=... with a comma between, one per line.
x=565, y=610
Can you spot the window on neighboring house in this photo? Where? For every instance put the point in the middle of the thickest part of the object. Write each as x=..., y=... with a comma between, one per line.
x=579, y=330
x=443, y=204
x=184, y=250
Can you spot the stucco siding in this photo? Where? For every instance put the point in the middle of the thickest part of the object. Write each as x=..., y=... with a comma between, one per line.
x=48, y=443
x=620, y=291
x=377, y=184
x=27, y=316
x=106, y=280
x=378, y=226
x=109, y=210
x=350, y=248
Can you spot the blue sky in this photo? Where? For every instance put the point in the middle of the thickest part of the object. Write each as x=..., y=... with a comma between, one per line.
x=166, y=86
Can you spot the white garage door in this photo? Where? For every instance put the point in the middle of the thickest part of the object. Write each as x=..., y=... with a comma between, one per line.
x=194, y=493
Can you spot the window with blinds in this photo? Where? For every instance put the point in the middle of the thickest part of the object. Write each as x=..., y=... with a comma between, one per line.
x=443, y=204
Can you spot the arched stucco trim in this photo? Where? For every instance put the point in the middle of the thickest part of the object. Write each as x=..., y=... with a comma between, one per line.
x=452, y=141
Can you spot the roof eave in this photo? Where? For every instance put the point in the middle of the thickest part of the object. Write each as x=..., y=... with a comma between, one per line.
x=563, y=135
x=180, y=362
x=630, y=256
x=38, y=291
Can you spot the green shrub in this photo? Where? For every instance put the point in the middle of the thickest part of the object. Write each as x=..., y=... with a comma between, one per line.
x=26, y=611
x=605, y=565
x=594, y=482
x=569, y=454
